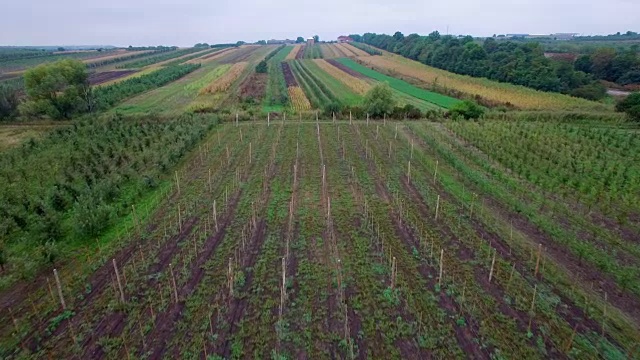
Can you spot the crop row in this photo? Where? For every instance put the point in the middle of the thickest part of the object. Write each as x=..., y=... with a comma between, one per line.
x=159, y=58
x=224, y=82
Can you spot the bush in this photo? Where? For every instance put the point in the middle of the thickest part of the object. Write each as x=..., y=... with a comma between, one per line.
x=594, y=91
x=379, y=101
x=406, y=112
x=467, y=110
x=631, y=106
x=262, y=67
x=332, y=108
x=8, y=102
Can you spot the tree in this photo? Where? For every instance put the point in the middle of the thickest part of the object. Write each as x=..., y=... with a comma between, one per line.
x=61, y=49
x=201, y=45
x=398, y=36
x=299, y=40
x=631, y=106
x=8, y=102
x=262, y=67
x=316, y=38
x=262, y=42
x=56, y=90
x=583, y=63
x=467, y=109
x=379, y=100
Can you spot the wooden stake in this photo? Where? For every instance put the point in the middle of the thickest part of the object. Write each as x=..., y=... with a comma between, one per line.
x=177, y=183
x=441, y=266
x=173, y=279
x=115, y=267
x=409, y=172
x=350, y=122
x=179, y=219
x=62, y=302
x=215, y=215
x=538, y=260
x=435, y=173
x=437, y=207
x=50, y=291
x=228, y=158
x=210, y=187
x=533, y=300
x=236, y=119
x=249, y=153
x=493, y=262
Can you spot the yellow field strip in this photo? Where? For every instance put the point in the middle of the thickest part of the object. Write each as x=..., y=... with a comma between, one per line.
x=224, y=82
x=359, y=86
x=299, y=101
x=355, y=50
x=292, y=54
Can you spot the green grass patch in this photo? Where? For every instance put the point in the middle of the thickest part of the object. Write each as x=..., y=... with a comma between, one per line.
x=339, y=90
x=403, y=86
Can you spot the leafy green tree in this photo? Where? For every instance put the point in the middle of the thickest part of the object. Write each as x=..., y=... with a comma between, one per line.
x=262, y=42
x=8, y=102
x=467, y=110
x=299, y=40
x=316, y=38
x=594, y=91
x=56, y=90
x=262, y=67
x=61, y=49
x=631, y=106
x=379, y=100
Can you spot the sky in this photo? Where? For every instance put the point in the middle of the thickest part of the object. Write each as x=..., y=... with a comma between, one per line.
x=186, y=22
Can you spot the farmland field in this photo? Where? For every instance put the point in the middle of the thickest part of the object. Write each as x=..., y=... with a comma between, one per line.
x=494, y=92
x=351, y=240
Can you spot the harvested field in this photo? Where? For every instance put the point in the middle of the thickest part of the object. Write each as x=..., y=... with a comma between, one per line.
x=119, y=54
x=102, y=77
x=358, y=85
x=289, y=79
x=347, y=51
x=241, y=55
x=224, y=82
x=355, y=50
x=294, y=52
x=212, y=56
x=329, y=51
x=253, y=87
x=301, y=51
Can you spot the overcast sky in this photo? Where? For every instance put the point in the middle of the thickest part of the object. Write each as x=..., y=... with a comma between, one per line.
x=186, y=22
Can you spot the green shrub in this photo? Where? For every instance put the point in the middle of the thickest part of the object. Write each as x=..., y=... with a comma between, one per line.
x=467, y=110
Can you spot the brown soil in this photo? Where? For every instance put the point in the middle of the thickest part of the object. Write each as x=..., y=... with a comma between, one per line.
x=99, y=78
x=253, y=87
x=216, y=53
x=238, y=56
x=288, y=75
x=300, y=54
x=345, y=69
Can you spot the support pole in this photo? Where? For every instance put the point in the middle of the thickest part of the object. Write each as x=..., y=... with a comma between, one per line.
x=62, y=302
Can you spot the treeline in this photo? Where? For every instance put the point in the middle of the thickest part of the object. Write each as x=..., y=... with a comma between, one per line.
x=80, y=179
x=106, y=97
x=158, y=48
x=368, y=49
x=511, y=62
x=619, y=66
x=7, y=54
x=158, y=58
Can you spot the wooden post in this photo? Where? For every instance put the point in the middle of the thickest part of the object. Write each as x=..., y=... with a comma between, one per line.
x=533, y=300
x=350, y=121
x=228, y=158
x=441, y=266
x=115, y=267
x=538, y=260
x=215, y=214
x=409, y=172
x=236, y=119
x=367, y=119
x=396, y=136
x=230, y=277
x=241, y=136
x=389, y=149
x=437, y=207
x=50, y=291
x=210, y=187
x=179, y=219
x=62, y=302
x=249, y=153
x=177, y=183
x=282, y=289
x=435, y=173
x=411, y=149
x=493, y=262
x=173, y=279
x=135, y=217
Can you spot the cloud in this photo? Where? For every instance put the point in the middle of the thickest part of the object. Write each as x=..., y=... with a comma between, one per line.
x=147, y=22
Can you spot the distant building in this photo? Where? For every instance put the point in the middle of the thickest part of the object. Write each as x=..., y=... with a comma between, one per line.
x=517, y=36
x=311, y=41
x=344, y=39
x=278, y=42
x=564, y=36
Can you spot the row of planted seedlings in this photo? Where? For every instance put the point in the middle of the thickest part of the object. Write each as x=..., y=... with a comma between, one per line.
x=609, y=248
x=161, y=245
x=215, y=284
x=545, y=299
x=596, y=325
x=67, y=304
x=378, y=322
x=472, y=254
x=300, y=331
x=261, y=330
x=428, y=315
